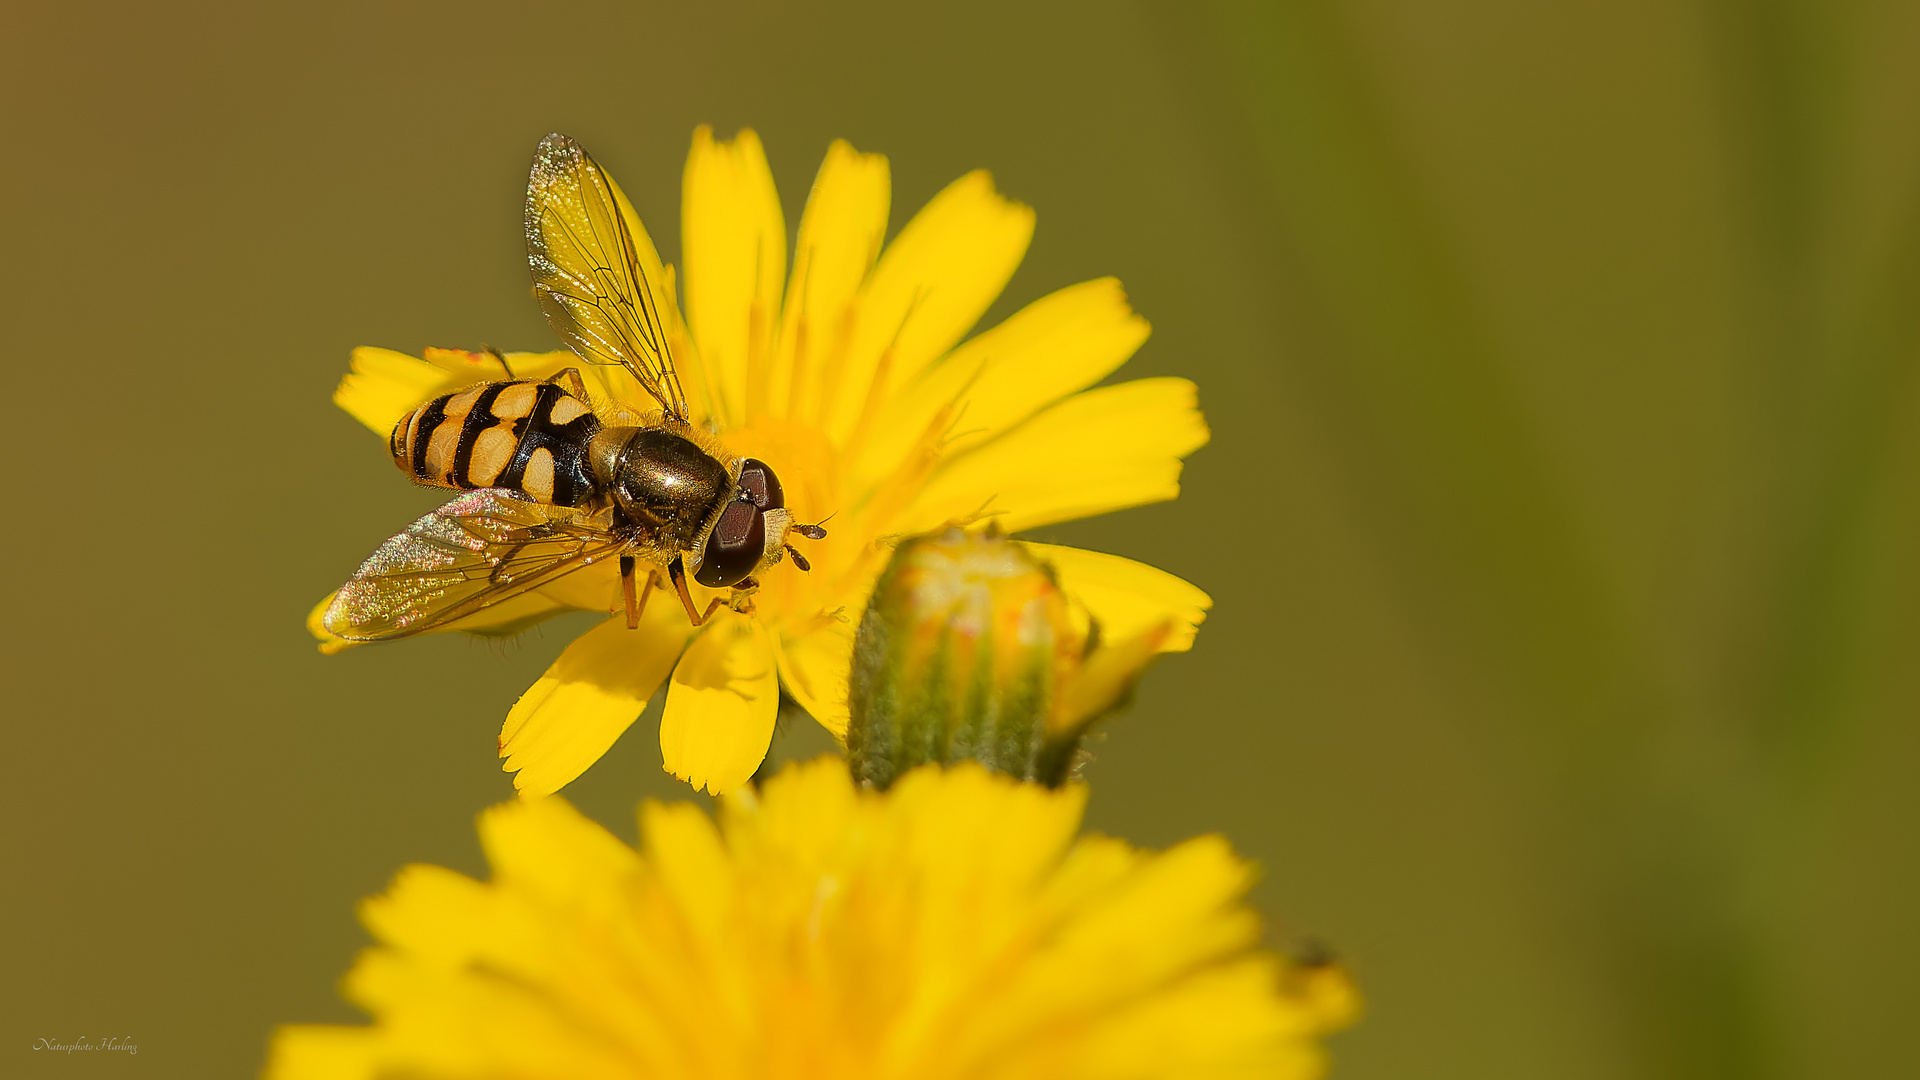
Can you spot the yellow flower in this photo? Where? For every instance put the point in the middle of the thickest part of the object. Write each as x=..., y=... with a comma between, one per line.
x=853, y=383
x=951, y=927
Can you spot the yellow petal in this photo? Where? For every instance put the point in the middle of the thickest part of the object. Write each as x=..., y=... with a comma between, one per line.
x=1107, y=677
x=545, y=365
x=1102, y=450
x=1325, y=996
x=323, y=1052
x=1127, y=598
x=930, y=287
x=546, y=848
x=814, y=668
x=330, y=642
x=510, y=617
x=1053, y=347
x=381, y=386
x=1190, y=886
x=606, y=386
x=1222, y=1021
x=591, y=588
x=597, y=687
x=453, y=1023
x=840, y=236
x=431, y=912
x=465, y=367
x=721, y=706
x=975, y=826
x=686, y=852
x=734, y=243
x=806, y=812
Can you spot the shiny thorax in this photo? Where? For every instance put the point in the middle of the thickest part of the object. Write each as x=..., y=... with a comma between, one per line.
x=682, y=499
x=662, y=481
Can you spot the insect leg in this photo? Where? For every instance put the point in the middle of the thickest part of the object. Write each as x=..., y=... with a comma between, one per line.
x=653, y=581
x=502, y=357
x=626, y=591
x=678, y=573
x=568, y=379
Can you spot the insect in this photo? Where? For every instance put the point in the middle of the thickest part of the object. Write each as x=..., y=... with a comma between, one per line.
x=550, y=486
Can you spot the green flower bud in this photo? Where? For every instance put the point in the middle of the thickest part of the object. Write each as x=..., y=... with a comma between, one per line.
x=969, y=650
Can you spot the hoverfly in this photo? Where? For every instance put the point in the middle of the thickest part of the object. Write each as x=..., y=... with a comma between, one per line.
x=550, y=487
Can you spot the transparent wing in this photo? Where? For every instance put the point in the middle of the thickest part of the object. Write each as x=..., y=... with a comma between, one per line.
x=587, y=275
x=480, y=549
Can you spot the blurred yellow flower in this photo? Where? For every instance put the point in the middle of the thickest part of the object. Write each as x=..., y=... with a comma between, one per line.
x=951, y=927
x=853, y=383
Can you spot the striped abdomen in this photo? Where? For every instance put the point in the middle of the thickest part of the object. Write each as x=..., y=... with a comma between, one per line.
x=527, y=436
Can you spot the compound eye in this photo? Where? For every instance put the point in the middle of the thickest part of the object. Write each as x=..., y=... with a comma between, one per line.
x=736, y=546
x=759, y=484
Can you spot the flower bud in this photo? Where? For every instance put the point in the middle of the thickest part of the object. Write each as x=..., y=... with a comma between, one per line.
x=969, y=650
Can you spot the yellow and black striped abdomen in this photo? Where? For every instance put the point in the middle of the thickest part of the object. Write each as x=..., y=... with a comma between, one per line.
x=526, y=436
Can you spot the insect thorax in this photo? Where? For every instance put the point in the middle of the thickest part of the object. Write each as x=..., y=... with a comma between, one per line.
x=662, y=481
x=522, y=435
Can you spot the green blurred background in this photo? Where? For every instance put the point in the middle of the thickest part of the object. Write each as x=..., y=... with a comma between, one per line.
x=1560, y=512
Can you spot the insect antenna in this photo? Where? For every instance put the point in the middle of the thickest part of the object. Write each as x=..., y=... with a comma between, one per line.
x=799, y=560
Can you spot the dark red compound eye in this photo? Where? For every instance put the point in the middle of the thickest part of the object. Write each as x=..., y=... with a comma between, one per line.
x=758, y=483
x=738, y=543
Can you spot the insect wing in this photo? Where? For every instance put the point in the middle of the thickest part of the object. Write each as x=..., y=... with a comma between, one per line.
x=587, y=271
x=482, y=548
